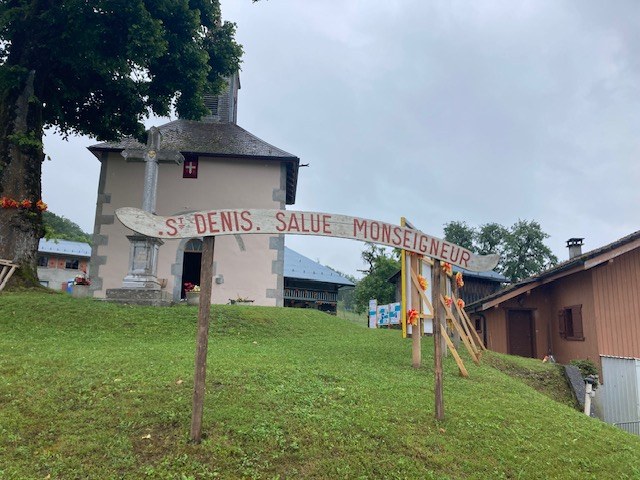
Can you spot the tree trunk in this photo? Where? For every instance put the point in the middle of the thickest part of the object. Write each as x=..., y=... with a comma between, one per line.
x=21, y=157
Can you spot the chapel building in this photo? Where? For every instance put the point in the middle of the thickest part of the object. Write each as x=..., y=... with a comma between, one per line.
x=224, y=166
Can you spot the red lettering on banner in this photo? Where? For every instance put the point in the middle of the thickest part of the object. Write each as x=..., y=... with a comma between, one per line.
x=315, y=228
x=326, y=224
x=397, y=240
x=302, y=223
x=466, y=256
x=280, y=218
x=293, y=223
x=406, y=243
x=201, y=224
x=211, y=216
x=444, y=250
x=386, y=233
x=225, y=221
x=248, y=224
x=374, y=232
x=359, y=226
x=454, y=250
x=171, y=229
x=435, y=246
x=424, y=241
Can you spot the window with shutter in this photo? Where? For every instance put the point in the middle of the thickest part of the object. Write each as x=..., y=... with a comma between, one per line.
x=570, y=323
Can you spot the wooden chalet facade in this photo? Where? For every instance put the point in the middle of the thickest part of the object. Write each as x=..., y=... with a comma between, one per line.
x=307, y=284
x=585, y=308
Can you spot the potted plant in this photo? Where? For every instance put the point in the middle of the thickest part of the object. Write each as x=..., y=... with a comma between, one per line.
x=192, y=292
x=240, y=301
x=81, y=285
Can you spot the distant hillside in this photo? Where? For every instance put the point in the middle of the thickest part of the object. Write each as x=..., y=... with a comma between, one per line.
x=63, y=229
x=90, y=389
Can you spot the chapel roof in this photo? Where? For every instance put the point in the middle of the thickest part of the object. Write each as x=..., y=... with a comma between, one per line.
x=213, y=140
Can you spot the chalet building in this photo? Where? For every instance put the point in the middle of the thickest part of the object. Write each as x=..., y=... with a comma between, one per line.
x=307, y=284
x=588, y=307
x=60, y=261
x=224, y=166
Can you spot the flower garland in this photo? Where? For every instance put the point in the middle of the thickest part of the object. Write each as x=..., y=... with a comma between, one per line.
x=8, y=202
x=460, y=303
x=459, y=280
x=423, y=282
x=412, y=317
x=448, y=301
x=447, y=268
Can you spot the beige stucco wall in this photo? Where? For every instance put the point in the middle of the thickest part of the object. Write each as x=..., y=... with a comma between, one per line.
x=221, y=183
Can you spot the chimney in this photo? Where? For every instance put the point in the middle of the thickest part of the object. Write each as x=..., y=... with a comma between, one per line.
x=575, y=247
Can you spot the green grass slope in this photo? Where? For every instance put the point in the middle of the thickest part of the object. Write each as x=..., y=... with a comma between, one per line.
x=95, y=390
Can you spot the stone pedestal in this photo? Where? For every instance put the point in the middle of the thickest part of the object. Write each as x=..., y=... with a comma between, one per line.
x=143, y=261
x=139, y=296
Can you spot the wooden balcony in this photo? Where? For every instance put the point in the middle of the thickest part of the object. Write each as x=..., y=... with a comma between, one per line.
x=310, y=295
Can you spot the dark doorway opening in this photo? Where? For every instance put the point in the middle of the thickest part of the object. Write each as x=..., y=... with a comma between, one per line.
x=521, y=333
x=191, y=261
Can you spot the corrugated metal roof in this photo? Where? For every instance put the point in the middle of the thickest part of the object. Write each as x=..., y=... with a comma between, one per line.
x=303, y=268
x=65, y=247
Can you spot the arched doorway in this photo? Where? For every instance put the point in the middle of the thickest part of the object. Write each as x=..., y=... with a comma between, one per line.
x=191, y=260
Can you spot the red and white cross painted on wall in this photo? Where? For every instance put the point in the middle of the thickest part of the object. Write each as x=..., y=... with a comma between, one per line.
x=190, y=168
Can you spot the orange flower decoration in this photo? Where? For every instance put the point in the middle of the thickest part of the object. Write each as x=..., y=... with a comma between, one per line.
x=6, y=202
x=423, y=282
x=412, y=317
x=40, y=205
x=448, y=300
x=26, y=203
x=459, y=280
x=446, y=268
x=460, y=303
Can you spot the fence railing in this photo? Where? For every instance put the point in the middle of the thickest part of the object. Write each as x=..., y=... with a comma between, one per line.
x=304, y=294
x=631, y=427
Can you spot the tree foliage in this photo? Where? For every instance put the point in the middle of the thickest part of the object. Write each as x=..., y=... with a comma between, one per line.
x=61, y=228
x=381, y=266
x=95, y=67
x=521, y=247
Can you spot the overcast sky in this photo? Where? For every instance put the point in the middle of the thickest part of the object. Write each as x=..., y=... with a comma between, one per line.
x=486, y=111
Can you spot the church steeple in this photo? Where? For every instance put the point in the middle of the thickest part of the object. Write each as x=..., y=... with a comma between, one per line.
x=223, y=107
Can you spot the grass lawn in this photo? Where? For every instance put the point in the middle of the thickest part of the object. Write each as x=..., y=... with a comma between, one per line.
x=96, y=390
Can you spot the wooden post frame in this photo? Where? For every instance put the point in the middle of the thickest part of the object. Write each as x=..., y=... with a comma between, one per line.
x=202, y=338
x=438, y=325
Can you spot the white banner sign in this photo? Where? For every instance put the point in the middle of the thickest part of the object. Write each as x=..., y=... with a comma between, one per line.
x=246, y=222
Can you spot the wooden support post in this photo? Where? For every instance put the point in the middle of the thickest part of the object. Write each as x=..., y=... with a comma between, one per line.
x=464, y=315
x=454, y=352
x=416, y=330
x=202, y=339
x=461, y=333
x=438, y=316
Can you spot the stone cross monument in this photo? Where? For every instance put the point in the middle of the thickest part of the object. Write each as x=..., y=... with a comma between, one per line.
x=143, y=255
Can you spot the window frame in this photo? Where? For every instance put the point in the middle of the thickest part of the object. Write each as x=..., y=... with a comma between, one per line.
x=570, y=323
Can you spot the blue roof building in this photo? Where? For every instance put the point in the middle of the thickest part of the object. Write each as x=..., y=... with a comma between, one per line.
x=307, y=284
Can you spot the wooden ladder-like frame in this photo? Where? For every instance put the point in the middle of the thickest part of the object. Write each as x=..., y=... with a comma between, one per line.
x=6, y=270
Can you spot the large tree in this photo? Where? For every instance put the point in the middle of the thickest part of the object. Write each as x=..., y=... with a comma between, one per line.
x=382, y=265
x=95, y=67
x=521, y=247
